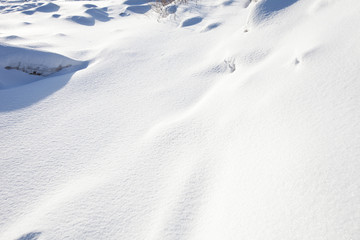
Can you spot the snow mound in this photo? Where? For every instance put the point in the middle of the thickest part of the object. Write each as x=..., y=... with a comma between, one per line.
x=33, y=62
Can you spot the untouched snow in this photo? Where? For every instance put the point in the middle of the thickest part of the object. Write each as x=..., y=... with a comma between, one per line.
x=208, y=120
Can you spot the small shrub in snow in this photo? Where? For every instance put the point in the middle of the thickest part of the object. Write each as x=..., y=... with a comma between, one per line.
x=167, y=2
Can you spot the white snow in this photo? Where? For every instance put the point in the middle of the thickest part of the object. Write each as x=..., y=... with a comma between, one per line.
x=215, y=119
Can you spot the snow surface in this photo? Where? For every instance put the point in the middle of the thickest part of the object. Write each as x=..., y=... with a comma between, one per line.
x=216, y=119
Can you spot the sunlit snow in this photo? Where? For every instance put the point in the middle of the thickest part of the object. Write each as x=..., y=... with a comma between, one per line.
x=210, y=119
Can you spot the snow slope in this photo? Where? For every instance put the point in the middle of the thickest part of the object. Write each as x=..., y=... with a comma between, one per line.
x=209, y=120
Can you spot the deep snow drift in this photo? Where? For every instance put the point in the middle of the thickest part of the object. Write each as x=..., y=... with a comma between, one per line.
x=216, y=119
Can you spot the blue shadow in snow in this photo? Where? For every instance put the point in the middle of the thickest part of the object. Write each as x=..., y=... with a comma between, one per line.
x=139, y=9
x=191, y=21
x=50, y=7
x=89, y=5
x=98, y=14
x=30, y=236
x=26, y=95
x=86, y=21
x=137, y=2
x=212, y=26
x=171, y=9
x=270, y=6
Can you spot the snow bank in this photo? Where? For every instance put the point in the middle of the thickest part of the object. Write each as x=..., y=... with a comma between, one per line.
x=34, y=62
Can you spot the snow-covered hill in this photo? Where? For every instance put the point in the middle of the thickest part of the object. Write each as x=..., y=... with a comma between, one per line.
x=215, y=119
